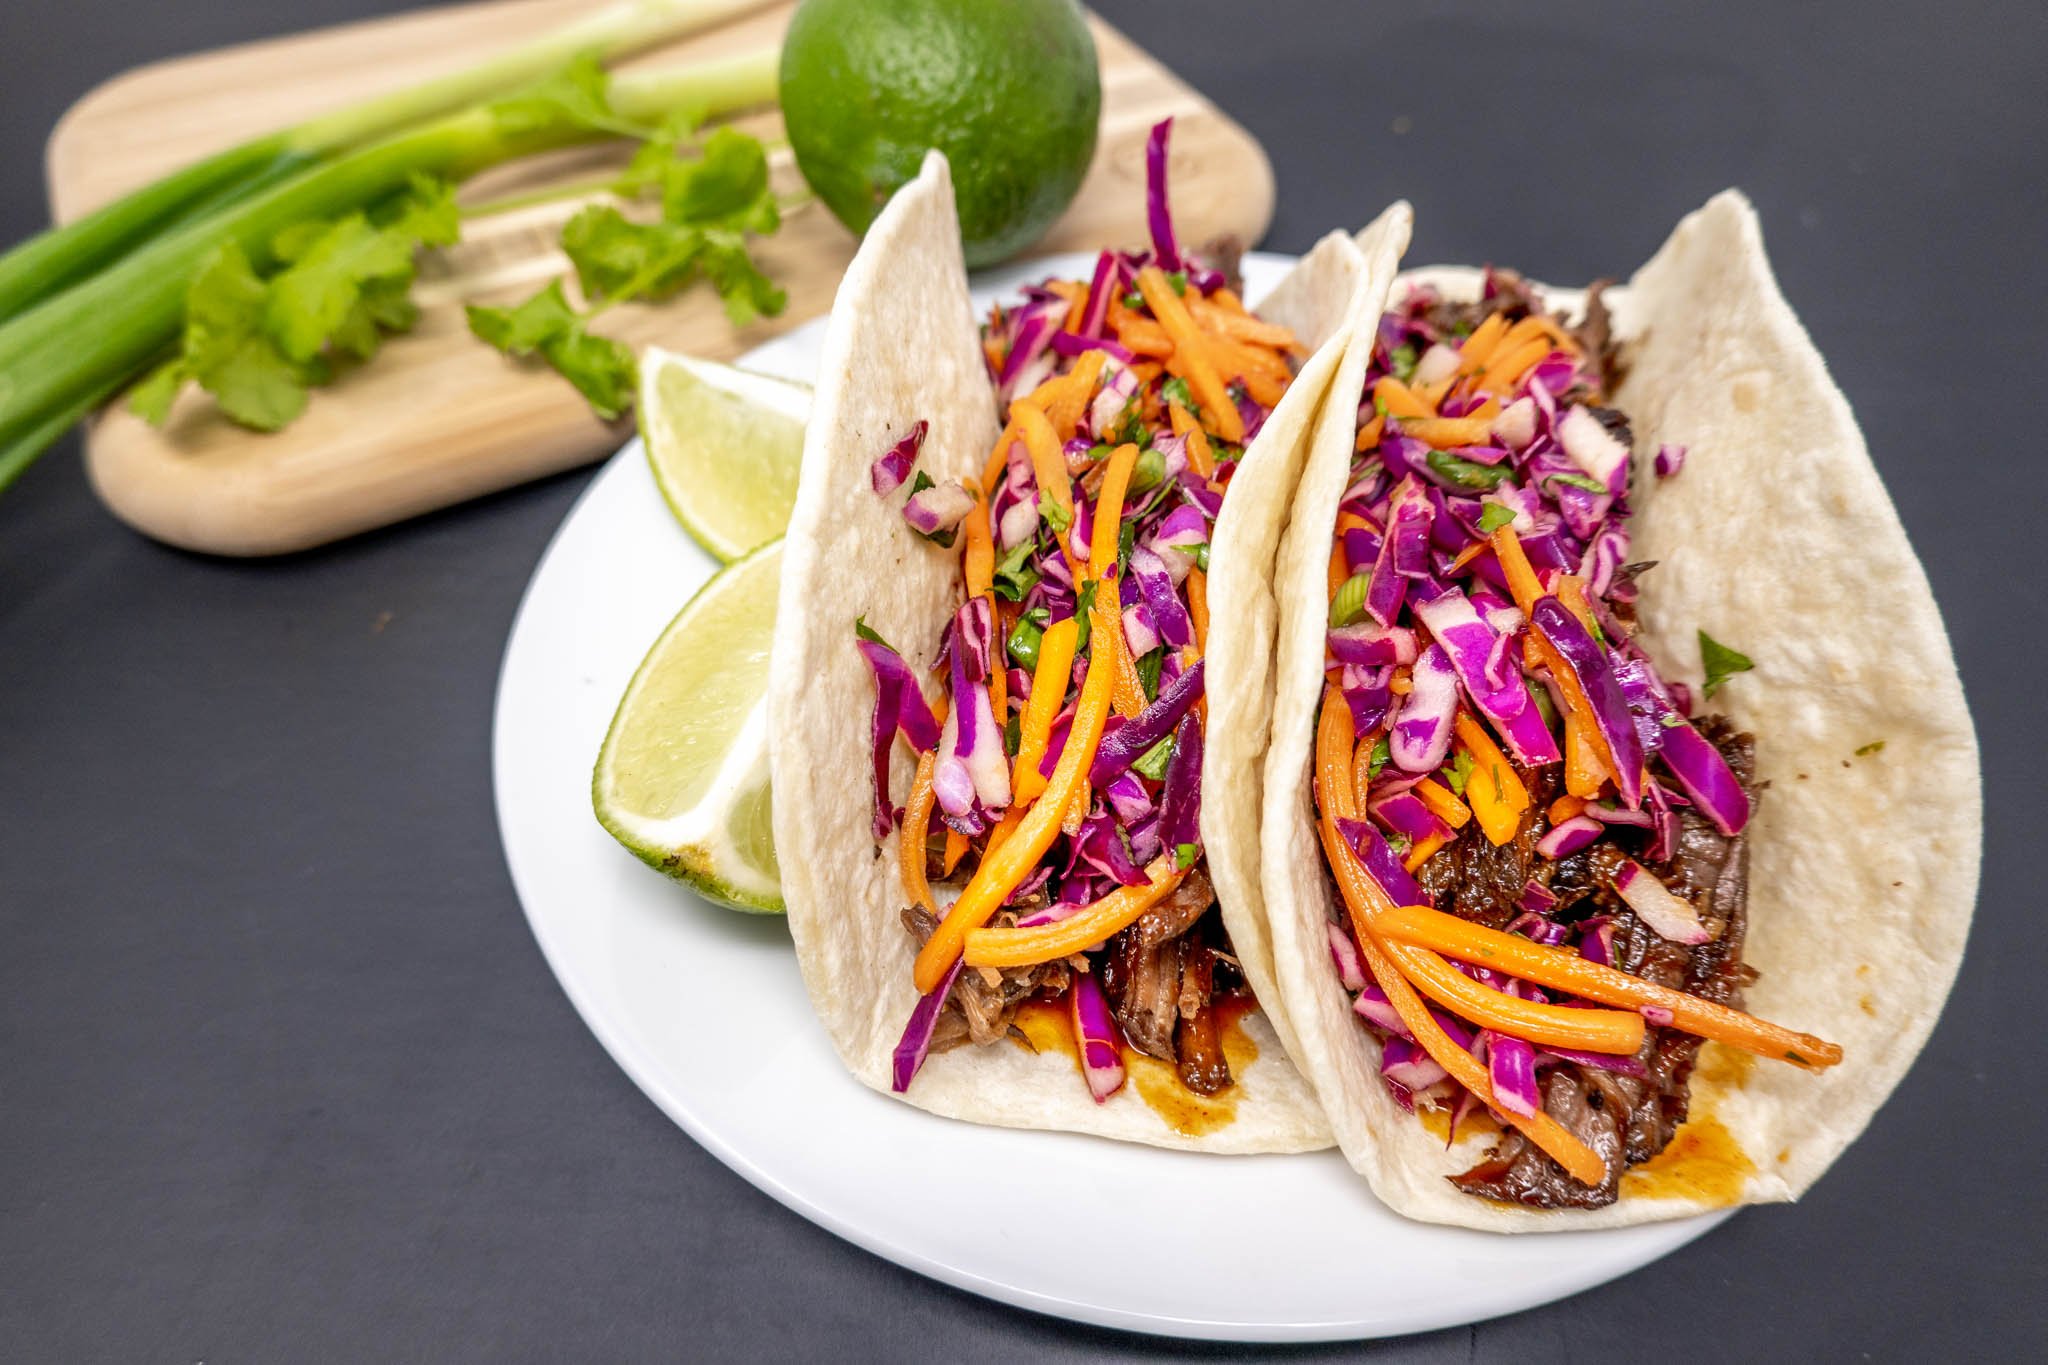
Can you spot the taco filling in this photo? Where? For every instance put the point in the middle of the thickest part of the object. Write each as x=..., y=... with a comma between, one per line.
x=1050, y=844
x=1537, y=841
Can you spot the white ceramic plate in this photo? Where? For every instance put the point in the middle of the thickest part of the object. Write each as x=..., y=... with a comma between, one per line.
x=705, y=1010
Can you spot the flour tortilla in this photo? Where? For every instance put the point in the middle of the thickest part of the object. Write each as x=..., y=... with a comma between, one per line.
x=903, y=346
x=1778, y=539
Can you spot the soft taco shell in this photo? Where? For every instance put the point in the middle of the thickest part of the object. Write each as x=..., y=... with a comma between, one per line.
x=902, y=346
x=1777, y=538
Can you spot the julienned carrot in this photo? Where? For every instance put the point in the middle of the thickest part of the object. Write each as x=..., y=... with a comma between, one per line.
x=1084, y=929
x=1361, y=760
x=1048, y=463
x=1618, y=1032
x=1423, y=850
x=1478, y=347
x=1203, y=381
x=1515, y=567
x=1564, y=808
x=1107, y=523
x=1584, y=768
x=1507, y=367
x=997, y=467
x=956, y=848
x=1395, y=399
x=1005, y=867
x=1339, y=801
x=978, y=560
x=1442, y=803
x=1048, y=694
x=917, y=820
x=1137, y=332
x=1239, y=325
x=1065, y=397
x=1339, y=569
x=1106, y=639
x=1369, y=434
x=1076, y=295
x=1447, y=433
x=1106, y=635
x=1567, y=971
x=1198, y=607
x=1494, y=792
x=1200, y=458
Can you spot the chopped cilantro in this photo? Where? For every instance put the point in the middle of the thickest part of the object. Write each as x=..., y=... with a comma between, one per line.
x=1175, y=390
x=1054, y=515
x=1134, y=300
x=1402, y=361
x=1179, y=280
x=1876, y=746
x=1014, y=575
x=1013, y=735
x=1084, y=611
x=1720, y=662
x=1148, y=671
x=1152, y=763
x=1381, y=753
x=1494, y=516
x=942, y=539
x=1461, y=771
x=1149, y=472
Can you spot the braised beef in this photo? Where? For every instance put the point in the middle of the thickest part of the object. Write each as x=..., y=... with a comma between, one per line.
x=1628, y=1120
x=1474, y=879
x=1595, y=334
x=983, y=1001
x=1199, y=1044
x=1141, y=973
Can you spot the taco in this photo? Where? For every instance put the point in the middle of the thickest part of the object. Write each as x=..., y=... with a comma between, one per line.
x=1614, y=721
x=1013, y=548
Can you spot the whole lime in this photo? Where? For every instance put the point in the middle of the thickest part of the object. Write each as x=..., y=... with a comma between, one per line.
x=1007, y=89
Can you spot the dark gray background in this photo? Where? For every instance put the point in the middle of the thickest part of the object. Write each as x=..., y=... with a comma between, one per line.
x=283, y=1077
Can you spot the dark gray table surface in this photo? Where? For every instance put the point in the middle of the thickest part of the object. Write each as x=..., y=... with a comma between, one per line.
x=283, y=1076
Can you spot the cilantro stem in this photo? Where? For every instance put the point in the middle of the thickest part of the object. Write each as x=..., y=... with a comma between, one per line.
x=60, y=257
x=547, y=194
x=72, y=350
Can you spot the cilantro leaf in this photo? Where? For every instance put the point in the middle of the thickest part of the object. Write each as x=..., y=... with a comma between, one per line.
x=1184, y=856
x=1720, y=662
x=601, y=369
x=1152, y=763
x=864, y=631
x=228, y=349
x=1148, y=671
x=1084, y=612
x=1175, y=390
x=725, y=186
x=1014, y=576
x=574, y=97
x=618, y=259
x=1494, y=516
x=1461, y=771
x=1381, y=753
x=321, y=291
x=1054, y=515
x=1402, y=361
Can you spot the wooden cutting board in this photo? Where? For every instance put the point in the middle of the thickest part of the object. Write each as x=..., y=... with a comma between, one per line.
x=438, y=417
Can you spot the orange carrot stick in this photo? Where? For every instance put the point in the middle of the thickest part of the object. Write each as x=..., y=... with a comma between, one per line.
x=1369, y=434
x=1619, y=1032
x=956, y=848
x=1442, y=803
x=1005, y=867
x=1239, y=325
x=1198, y=607
x=1564, y=808
x=1567, y=971
x=1203, y=381
x=1048, y=693
x=917, y=819
x=1048, y=464
x=1494, y=792
x=1478, y=347
x=1423, y=851
x=1361, y=894
x=978, y=560
x=1395, y=399
x=1086, y=928
x=1445, y=433
x=1515, y=566
x=1507, y=367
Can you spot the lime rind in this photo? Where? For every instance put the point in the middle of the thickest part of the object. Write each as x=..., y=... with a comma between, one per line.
x=720, y=843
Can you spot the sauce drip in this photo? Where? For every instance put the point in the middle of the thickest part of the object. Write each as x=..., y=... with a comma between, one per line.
x=1047, y=1028
x=1703, y=1161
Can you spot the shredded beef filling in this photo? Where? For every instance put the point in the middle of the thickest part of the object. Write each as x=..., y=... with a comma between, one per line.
x=1163, y=975
x=1626, y=1119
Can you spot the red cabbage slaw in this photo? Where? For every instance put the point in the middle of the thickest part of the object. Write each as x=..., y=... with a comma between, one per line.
x=1456, y=446
x=1144, y=780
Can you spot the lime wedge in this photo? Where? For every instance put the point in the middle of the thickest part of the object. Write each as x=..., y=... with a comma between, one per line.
x=682, y=779
x=725, y=445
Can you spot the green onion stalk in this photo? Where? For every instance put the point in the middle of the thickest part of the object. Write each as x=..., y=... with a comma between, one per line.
x=72, y=351
x=55, y=259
